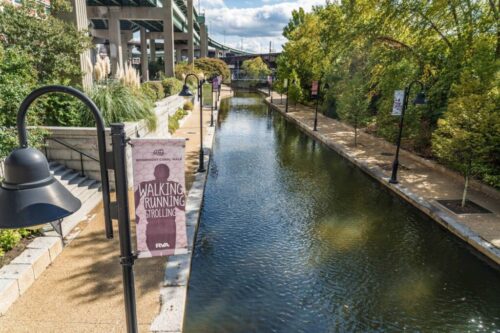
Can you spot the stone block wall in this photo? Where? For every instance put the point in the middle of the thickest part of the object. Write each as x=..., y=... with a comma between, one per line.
x=85, y=140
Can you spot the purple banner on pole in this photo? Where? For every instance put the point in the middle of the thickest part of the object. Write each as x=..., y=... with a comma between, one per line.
x=314, y=89
x=160, y=200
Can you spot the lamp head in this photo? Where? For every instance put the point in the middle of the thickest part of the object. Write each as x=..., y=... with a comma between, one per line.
x=185, y=92
x=29, y=194
x=420, y=99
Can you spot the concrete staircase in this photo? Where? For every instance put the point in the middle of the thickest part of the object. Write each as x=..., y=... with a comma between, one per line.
x=86, y=189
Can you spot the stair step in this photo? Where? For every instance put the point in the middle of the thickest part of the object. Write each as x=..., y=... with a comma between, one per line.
x=62, y=173
x=87, y=190
x=83, y=186
x=88, y=193
x=56, y=167
x=75, y=183
x=69, y=177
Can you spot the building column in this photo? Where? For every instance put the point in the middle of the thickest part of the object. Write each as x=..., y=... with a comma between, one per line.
x=190, y=12
x=168, y=38
x=144, y=56
x=115, y=47
x=203, y=41
x=152, y=49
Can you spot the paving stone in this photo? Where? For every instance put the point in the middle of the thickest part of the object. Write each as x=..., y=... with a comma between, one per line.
x=39, y=259
x=9, y=293
x=53, y=244
x=171, y=317
x=190, y=233
x=22, y=273
x=177, y=271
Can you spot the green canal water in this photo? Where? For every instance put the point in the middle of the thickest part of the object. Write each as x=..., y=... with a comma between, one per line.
x=295, y=239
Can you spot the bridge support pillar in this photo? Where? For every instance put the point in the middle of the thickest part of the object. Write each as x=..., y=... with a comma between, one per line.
x=79, y=17
x=178, y=55
x=190, y=13
x=152, y=49
x=168, y=38
x=126, y=36
x=204, y=41
x=115, y=40
x=144, y=56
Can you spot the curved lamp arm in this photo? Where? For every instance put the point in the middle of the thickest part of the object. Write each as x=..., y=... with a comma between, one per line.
x=197, y=81
x=101, y=137
x=411, y=85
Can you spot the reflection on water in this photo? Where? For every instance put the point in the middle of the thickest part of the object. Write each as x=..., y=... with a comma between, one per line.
x=295, y=239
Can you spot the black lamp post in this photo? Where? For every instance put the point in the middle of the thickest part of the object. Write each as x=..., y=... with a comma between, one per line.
x=270, y=86
x=287, y=89
x=316, y=111
x=419, y=100
x=187, y=93
x=29, y=194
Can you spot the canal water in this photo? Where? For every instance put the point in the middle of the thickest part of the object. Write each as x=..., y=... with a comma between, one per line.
x=293, y=238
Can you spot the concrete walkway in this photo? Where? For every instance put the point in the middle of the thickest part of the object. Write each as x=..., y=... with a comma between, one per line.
x=82, y=290
x=422, y=182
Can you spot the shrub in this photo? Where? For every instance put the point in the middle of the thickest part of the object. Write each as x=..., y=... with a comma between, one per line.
x=9, y=141
x=171, y=86
x=9, y=238
x=213, y=67
x=156, y=87
x=173, y=121
x=148, y=92
x=119, y=103
x=188, y=106
x=155, y=69
x=182, y=69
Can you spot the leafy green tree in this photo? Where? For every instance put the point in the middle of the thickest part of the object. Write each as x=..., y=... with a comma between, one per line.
x=353, y=104
x=295, y=92
x=255, y=68
x=37, y=48
x=213, y=67
x=463, y=139
x=391, y=43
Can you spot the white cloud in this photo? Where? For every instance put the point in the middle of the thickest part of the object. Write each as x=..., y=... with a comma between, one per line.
x=256, y=26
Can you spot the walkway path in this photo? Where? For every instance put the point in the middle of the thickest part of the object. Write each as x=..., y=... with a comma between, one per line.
x=422, y=182
x=82, y=290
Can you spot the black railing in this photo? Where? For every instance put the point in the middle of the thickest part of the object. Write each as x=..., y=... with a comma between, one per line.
x=67, y=145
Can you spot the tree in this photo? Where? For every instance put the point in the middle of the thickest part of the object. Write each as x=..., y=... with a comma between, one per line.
x=353, y=104
x=255, y=68
x=391, y=43
x=462, y=137
x=38, y=48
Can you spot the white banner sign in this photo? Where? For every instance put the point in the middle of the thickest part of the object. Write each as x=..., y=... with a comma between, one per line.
x=397, y=107
x=159, y=194
x=285, y=83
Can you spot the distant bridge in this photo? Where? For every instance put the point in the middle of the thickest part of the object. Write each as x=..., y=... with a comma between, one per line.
x=236, y=60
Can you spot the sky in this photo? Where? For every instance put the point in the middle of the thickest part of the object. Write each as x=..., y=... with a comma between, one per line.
x=250, y=24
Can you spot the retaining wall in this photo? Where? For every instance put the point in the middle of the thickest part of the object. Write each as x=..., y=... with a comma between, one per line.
x=85, y=140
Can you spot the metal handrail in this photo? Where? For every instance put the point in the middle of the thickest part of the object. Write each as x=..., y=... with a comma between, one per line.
x=67, y=145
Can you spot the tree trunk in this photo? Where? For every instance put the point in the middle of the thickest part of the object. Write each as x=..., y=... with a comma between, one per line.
x=355, y=136
x=464, y=195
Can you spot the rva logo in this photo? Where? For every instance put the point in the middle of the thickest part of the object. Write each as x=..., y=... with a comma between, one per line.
x=158, y=152
x=162, y=245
